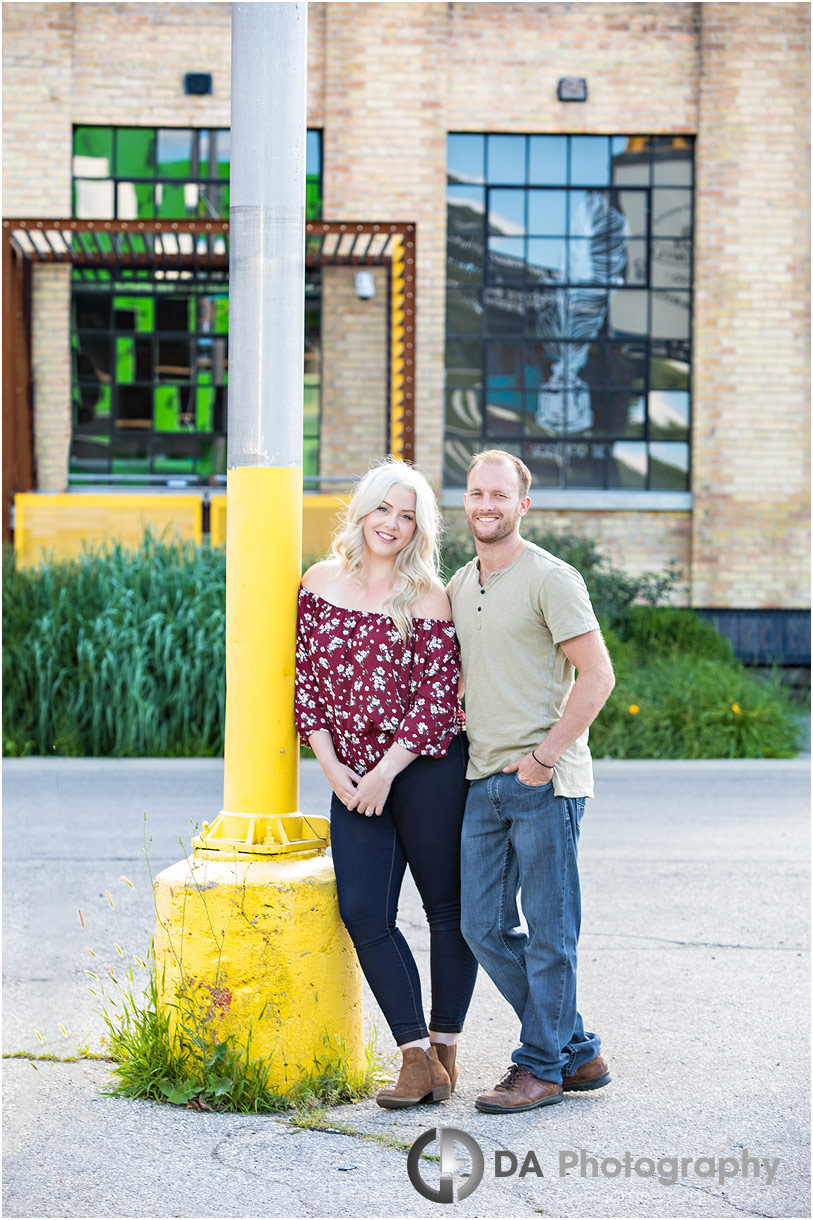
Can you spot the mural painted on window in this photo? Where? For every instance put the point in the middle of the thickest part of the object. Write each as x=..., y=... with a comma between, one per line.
x=568, y=307
x=150, y=349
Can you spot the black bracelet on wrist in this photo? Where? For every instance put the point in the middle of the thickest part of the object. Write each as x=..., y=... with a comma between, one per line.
x=547, y=766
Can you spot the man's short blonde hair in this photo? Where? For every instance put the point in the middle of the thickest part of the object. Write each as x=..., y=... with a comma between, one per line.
x=501, y=455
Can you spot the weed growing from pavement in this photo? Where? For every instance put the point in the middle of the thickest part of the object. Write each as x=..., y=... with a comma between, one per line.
x=79, y=1057
x=317, y=1120
x=163, y=1051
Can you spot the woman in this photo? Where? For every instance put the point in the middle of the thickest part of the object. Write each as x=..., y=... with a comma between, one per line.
x=376, y=700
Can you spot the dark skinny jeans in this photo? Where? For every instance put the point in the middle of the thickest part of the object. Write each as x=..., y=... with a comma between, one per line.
x=419, y=826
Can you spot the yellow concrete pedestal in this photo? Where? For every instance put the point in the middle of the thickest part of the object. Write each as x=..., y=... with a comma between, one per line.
x=257, y=944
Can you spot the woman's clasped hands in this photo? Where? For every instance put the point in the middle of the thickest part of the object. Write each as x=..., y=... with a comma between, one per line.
x=371, y=792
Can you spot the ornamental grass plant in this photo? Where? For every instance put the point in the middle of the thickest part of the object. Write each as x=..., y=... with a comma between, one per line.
x=118, y=653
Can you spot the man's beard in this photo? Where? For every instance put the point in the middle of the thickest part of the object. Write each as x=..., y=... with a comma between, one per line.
x=504, y=526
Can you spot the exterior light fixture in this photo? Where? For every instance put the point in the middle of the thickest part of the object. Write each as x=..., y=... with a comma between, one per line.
x=197, y=83
x=365, y=285
x=572, y=89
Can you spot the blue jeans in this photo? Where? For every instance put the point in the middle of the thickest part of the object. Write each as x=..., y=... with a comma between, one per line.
x=420, y=826
x=521, y=837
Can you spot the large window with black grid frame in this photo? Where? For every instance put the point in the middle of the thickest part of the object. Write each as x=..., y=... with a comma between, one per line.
x=568, y=307
x=150, y=347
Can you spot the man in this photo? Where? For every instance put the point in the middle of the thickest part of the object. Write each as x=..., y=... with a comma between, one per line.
x=525, y=624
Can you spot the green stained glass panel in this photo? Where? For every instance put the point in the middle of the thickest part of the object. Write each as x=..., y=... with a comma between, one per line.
x=168, y=409
x=170, y=200
x=222, y=315
x=125, y=360
x=205, y=408
x=135, y=152
x=134, y=313
x=313, y=198
x=92, y=152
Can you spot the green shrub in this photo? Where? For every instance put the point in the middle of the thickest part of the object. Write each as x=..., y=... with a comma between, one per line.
x=683, y=705
x=654, y=631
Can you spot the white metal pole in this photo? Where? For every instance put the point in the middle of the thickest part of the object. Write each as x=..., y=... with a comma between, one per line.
x=266, y=346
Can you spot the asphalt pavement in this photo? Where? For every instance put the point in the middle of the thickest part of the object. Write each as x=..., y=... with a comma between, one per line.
x=694, y=968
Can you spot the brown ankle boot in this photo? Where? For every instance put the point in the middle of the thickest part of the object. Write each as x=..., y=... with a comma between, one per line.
x=422, y=1078
x=448, y=1058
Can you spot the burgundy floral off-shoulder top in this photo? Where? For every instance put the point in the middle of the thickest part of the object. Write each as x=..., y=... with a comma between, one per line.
x=356, y=678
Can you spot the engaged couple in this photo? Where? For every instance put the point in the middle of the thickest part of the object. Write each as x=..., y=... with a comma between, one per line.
x=477, y=812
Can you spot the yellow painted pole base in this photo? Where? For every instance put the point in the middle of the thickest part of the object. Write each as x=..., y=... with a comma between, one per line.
x=257, y=949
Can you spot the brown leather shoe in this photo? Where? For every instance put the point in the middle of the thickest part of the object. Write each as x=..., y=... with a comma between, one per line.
x=448, y=1057
x=519, y=1089
x=422, y=1078
x=592, y=1075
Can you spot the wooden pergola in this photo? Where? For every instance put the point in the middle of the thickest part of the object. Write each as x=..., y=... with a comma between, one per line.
x=200, y=250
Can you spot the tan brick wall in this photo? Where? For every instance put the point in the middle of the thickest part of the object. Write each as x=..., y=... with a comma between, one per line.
x=51, y=372
x=751, y=438
x=354, y=373
x=141, y=82
x=37, y=100
x=504, y=62
x=385, y=159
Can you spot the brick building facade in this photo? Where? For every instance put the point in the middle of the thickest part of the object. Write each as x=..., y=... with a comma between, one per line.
x=387, y=84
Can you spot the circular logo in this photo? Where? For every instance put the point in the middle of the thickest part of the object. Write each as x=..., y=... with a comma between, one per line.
x=444, y=1192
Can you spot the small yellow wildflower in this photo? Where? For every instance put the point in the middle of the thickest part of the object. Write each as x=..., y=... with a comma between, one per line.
x=634, y=709
x=735, y=707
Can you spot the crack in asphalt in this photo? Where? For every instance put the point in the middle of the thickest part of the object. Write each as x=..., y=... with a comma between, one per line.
x=696, y=944
x=713, y=1194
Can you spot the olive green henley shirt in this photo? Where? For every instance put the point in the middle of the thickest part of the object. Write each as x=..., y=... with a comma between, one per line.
x=517, y=678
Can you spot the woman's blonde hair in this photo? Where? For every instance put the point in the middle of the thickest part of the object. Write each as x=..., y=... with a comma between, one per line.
x=418, y=563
